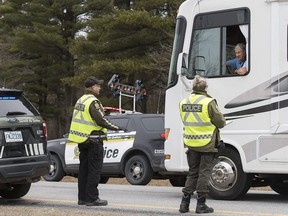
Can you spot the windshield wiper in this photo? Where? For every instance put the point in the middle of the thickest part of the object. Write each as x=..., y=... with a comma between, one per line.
x=16, y=113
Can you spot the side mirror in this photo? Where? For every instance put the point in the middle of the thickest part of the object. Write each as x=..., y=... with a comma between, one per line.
x=182, y=64
x=199, y=64
x=182, y=71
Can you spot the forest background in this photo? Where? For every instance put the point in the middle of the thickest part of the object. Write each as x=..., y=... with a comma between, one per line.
x=49, y=47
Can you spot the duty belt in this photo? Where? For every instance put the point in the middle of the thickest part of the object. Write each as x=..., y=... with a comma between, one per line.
x=87, y=135
x=98, y=136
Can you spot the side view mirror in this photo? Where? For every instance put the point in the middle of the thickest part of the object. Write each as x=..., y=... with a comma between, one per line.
x=182, y=63
x=199, y=64
x=182, y=71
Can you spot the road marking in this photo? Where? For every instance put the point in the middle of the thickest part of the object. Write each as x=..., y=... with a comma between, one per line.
x=162, y=207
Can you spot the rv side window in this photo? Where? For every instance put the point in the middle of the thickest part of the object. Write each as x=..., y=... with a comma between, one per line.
x=220, y=44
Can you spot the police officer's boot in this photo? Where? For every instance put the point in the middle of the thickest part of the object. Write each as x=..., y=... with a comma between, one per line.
x=185, y=202
x=201, y=206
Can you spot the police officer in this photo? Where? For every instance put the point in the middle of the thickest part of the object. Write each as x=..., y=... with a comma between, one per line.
x=201, y=119
x=88, y=119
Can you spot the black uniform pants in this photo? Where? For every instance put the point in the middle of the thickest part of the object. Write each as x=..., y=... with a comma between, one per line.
x=200, y=164
x=91, y=162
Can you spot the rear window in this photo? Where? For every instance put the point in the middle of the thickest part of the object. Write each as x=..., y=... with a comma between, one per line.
x=14, y=103
x=121, y=122
x=153, y=123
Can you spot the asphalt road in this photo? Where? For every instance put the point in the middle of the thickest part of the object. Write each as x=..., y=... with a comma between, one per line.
x=138, y=200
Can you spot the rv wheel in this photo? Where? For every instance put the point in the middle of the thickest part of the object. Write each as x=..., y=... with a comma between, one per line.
x=228, y=181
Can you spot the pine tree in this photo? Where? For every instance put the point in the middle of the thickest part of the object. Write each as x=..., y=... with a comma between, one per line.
x=120, y=42
x=49, y=47
x=43, y=32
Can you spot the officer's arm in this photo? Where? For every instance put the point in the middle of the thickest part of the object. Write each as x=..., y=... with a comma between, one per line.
x=98, y=115
x=217, y=118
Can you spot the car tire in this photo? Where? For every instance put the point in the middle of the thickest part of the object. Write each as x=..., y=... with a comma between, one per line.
x=178, y=181
x=56, y=172
x=279, y=186
x=138, y=170
x=228, y=180
x=16, y=191
x=104, y=180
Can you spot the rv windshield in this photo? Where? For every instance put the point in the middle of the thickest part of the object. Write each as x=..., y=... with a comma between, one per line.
x=214, y=38
x=177, y=48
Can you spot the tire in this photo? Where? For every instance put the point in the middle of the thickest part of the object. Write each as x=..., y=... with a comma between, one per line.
x=56, y=172
x=228, y=181
x=178, y=181
x=279, y=187
x=138, y=170
x=16, y=191
x=104, y=180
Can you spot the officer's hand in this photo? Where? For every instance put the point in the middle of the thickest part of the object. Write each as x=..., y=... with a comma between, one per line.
x=220, y=145
x=122, y=129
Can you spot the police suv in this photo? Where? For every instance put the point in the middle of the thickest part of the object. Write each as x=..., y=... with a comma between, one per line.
x=23, y=145
x=137, y=154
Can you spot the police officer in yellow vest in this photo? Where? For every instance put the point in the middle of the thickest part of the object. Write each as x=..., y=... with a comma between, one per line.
x=201, y=119
x=88, y=119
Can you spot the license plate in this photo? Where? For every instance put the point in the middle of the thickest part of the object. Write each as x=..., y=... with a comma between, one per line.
x=13, y=136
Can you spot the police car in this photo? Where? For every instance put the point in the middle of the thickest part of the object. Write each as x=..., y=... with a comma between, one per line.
x=137, y=154
x=23, y=145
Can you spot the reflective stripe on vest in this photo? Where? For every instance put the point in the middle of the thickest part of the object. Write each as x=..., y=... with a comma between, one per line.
x=82, y=123
x=198, y=129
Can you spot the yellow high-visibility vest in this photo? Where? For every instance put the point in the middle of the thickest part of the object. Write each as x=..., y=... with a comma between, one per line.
x=198, y=129
x=82, y=124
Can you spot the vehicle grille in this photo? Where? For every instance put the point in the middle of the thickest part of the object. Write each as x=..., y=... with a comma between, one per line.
x=25, y=150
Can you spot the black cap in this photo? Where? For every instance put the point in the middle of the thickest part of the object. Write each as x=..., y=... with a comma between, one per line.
x=90, y=81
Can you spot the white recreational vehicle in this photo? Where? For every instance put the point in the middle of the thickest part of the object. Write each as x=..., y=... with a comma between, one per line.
x=255, y=105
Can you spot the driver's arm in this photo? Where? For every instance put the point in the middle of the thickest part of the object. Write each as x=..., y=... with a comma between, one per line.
x=243, y=70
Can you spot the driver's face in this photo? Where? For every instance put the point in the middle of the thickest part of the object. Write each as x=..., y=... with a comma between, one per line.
x=240, y=54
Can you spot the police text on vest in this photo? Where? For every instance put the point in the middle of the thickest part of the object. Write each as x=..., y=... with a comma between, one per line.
x=192, y=107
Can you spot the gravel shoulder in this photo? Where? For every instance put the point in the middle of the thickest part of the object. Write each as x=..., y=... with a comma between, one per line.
x=153, y=182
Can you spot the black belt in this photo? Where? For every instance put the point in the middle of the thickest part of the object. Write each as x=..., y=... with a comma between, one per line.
x=97, y=136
